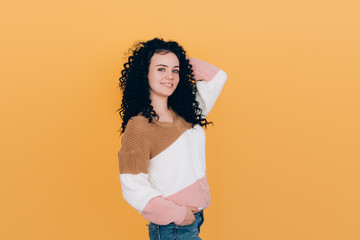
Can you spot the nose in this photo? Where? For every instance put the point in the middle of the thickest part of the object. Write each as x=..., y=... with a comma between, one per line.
x=169, y=75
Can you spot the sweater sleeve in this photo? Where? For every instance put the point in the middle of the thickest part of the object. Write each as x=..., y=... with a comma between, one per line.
x=209, y=82
x=137, y=190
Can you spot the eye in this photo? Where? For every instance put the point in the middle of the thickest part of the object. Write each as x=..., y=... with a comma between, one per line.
x=176, y=71
x=160, y=69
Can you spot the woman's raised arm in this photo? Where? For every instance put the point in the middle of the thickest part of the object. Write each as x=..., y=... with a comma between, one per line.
x=209, y=81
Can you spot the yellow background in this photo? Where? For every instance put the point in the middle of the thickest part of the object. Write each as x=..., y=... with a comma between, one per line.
x=282, y=158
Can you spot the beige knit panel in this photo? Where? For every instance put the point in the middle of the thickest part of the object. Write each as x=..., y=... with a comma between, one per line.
x=134, y=155
x=162, y=137
x=142, y=141
x=133, y=162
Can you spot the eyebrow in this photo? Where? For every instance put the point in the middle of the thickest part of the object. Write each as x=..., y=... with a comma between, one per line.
x=164, y=65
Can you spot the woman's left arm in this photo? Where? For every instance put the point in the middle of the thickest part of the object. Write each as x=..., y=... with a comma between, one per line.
x=209, y=82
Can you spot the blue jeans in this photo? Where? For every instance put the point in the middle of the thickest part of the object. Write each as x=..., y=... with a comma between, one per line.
x=177, y=232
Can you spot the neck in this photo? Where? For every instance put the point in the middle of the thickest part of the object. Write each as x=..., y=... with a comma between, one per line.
x=160, y=104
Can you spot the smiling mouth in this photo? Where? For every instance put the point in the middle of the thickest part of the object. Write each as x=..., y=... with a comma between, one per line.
x=167, y=84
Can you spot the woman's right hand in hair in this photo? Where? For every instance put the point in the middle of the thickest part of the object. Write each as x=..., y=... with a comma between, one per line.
x=189, y=218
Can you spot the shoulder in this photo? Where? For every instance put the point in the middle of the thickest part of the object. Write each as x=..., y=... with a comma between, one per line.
x=137, y=120
x=136, y=131
x=136, y=124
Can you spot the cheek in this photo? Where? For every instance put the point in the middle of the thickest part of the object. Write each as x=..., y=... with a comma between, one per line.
x=151, y=78
x=177, y=82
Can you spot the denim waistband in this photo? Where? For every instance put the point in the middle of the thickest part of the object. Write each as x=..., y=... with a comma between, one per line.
x=180, y=232
x=197, y=214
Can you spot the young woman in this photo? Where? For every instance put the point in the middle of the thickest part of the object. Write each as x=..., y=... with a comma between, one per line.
x=166, y=97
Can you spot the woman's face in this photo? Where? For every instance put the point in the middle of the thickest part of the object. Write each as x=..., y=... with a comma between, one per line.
x=163, y=74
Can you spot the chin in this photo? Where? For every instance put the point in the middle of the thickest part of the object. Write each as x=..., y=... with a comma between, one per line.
x=164, y=93
x=168, y=93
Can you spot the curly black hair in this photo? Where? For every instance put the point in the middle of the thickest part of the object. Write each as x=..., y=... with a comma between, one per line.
x=135, y=84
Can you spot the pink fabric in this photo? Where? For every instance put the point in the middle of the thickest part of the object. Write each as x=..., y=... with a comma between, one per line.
x=203, y=70
x=195, y=195
x=162, y=210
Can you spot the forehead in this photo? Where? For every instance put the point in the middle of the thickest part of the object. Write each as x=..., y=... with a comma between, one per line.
x=169, y=59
